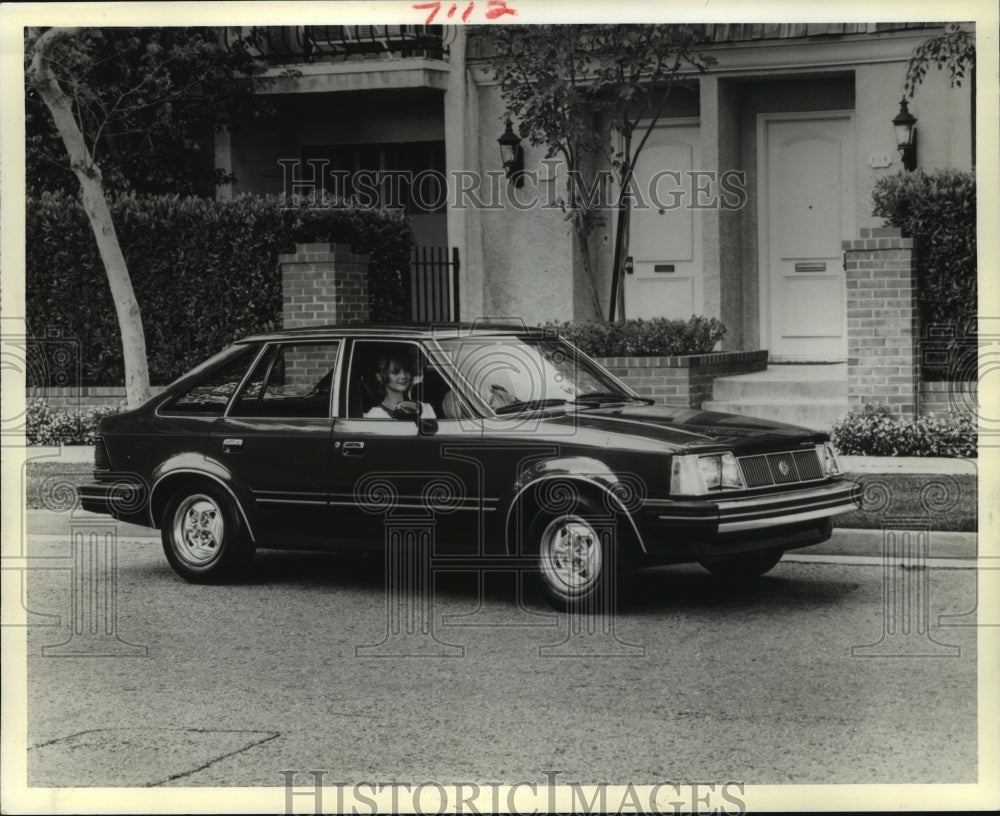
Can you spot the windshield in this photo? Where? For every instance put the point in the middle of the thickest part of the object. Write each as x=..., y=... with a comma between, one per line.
x=510, y=374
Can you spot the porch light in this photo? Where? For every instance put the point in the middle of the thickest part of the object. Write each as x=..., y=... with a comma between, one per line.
x=906, y=135
x=512, y=156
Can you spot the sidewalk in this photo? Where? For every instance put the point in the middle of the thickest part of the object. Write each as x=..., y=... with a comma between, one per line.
x=909, y=464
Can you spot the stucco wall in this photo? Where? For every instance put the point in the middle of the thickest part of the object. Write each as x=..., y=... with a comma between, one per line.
x=943, y=127
x=722, y=228
x=527, y=256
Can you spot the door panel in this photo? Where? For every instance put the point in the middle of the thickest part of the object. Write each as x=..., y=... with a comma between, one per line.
x=665, y=230
x=285, y=465
x=387, y=470
x=392, y=470
x=809, y=210
x=275, y=439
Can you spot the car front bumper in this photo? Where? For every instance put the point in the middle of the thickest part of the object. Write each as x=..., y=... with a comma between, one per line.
x=682, y=530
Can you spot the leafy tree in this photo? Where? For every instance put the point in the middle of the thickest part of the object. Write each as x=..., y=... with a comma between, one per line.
x=135, y=98
x=954, y=49
x=147, y=102
x=593, y=90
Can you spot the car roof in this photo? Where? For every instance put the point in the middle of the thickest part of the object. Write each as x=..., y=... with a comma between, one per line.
x=408, y=331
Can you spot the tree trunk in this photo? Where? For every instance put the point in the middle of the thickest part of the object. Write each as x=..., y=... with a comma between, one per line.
x=40, y=76
x=616, y=310
x=583, y=252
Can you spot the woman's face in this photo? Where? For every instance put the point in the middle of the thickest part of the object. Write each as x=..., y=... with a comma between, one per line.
x=397, y=379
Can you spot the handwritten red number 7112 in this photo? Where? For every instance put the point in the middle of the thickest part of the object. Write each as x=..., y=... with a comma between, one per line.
x=495, y=9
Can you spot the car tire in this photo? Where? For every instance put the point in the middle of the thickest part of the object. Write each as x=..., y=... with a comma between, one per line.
x=204, y=537
x=744, y=565
x=577, y=566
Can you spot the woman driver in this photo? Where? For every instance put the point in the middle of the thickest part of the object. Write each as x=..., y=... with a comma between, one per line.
x=394, y=378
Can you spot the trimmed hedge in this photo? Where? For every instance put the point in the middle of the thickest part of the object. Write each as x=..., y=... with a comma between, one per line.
x=205, y=272
x=44, y=426
x=643, y=338
x=938, y=210
x=875, y=431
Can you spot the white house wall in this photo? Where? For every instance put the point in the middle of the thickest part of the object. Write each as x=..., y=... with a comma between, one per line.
x=520, y=262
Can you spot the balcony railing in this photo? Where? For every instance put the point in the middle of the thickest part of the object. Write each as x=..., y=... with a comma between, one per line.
x=283, y=44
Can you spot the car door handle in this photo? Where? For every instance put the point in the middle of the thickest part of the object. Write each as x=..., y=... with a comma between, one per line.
x=232, y=445
x=354, y=449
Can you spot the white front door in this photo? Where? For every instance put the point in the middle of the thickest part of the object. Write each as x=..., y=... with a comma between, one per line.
x=665, y=245
x=808, y=209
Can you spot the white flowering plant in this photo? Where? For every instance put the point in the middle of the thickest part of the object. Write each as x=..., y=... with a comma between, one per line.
x=875, y=431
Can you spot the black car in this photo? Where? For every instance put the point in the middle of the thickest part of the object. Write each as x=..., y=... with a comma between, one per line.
x=509, y=445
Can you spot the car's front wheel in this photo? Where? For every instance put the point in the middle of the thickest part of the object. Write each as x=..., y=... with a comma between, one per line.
x=204, y=537
x=744, y=565
x=576, y=564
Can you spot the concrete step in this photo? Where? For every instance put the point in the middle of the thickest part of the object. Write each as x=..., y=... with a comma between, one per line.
x=782, y=384
x=818, y=415
x=814, y=396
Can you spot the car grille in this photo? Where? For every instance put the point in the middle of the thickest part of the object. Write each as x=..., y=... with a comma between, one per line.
x=789, y=467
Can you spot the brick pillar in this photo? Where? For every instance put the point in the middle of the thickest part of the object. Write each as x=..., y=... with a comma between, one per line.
x=882, y=322
x=323, y=283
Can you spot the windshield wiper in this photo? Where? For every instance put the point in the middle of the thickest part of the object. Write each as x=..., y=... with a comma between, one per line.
x=528, y=405
x=609, y=396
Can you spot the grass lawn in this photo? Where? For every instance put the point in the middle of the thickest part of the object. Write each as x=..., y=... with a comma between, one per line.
x=947, y=502
x=48, y=481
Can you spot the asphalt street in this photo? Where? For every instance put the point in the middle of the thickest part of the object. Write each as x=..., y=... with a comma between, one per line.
x=824, y=671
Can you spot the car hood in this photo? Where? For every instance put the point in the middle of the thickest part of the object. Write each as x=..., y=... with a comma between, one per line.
x=686, y=427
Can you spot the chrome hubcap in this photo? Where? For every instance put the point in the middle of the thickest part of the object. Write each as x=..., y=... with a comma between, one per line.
x=570, y=555
x=198, y=530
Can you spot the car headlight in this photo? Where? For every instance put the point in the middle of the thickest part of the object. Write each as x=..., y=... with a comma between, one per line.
x=827, y=456
x=695, y=474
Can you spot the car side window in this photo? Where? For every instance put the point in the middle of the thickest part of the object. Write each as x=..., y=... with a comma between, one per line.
x=211, y=394
x=292, y=380
x=380, y=367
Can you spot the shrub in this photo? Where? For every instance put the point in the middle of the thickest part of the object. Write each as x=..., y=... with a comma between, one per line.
x=938, y=210
x=47, y=427
x=643, y=338
x=205, y=272
x=875, y=431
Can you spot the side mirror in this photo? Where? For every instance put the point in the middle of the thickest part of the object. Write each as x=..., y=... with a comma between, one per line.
x=427, y=426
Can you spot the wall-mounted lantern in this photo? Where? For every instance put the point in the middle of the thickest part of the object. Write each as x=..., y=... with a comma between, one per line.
x=906, y=135
x=512, y=156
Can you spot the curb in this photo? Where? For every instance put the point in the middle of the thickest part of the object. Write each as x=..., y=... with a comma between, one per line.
x=853, y=541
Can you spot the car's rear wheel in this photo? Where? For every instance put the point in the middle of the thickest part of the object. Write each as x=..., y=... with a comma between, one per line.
x=204, y=537
x=576, y=564
x=744, y=565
